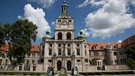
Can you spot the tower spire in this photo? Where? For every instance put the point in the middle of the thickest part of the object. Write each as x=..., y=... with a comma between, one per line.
x=64, y=8
x=64, y=11
x=64, y=0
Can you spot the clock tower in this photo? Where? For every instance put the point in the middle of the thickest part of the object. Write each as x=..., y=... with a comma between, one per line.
x=64, y=29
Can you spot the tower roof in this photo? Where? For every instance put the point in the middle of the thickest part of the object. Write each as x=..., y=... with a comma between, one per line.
x=64, y=11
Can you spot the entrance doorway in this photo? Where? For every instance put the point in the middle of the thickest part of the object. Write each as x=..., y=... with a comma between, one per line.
x=69, y=66
x=59, y=64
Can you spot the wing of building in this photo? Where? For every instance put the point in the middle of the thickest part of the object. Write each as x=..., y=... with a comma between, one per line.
x=65, y=50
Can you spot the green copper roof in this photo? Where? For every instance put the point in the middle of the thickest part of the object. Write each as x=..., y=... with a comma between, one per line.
x=64, y=11
x=81, y=34
x=47, y=35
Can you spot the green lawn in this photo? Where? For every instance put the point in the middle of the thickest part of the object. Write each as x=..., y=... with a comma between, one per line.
x=23, y=73
x=63, y=75
x=67, y=75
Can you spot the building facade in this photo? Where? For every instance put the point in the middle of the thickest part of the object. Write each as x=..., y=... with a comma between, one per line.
x=65, y=50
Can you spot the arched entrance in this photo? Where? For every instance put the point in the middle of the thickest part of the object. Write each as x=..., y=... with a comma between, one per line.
x=68, y=65
x=59, y=64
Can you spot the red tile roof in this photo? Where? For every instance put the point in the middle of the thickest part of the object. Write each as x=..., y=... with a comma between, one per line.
x=102, y=45
x=129, y=41
x=35, y=47
x=4, y=47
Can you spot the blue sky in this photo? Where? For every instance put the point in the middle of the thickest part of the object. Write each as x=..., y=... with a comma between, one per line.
x=100, y=20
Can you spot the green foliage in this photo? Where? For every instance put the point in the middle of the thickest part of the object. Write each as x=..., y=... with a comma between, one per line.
x=2, y=54
x=63, y=75
x=131, y=63
x=0, y=61
x=19, y=35
x=23, y=73
x=1, y=35
x=131, y=56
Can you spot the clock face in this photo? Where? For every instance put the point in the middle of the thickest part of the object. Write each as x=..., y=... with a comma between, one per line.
x=64, y=23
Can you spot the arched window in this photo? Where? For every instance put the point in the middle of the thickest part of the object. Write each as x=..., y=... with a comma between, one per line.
x=59, y=36
x=68, y=36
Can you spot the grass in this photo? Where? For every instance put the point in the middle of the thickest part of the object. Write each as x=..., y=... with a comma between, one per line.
x=63, y=75
x=75, y=75
x=23, y=73
x=67, y=75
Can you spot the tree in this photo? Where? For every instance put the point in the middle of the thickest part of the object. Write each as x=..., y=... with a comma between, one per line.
x=130, y=56
x=19, y=36
x=1, y=35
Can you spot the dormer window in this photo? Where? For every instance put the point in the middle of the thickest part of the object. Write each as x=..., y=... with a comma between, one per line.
x=116, y=46
x=69, y=21
x=94, y=47
x=59, y=20
x=101, y=47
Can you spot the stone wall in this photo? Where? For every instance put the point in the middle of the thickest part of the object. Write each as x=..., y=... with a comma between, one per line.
x=115, y=67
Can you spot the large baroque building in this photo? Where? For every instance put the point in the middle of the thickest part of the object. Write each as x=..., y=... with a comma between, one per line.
x=66, y=50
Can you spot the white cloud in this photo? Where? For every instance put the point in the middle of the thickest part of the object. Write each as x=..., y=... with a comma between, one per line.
x=44, y=3
x=120, y=41
x=37, y=17
x=86, y=33
x=53, y=23
x=111, y=19
x=92, y=2
x=132, y=2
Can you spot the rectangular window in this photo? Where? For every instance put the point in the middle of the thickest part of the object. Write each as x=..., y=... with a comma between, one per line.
x=59, y=52
x=77, y=45
x=34, y=68
x=86, y=60
x=68, y=52
x=43, y=47
x=49, y=60
x=28, y=55
x=33, y=62
x=33, y=54
x=96, y=53
x=50, y=45
x=78, y=60
x=42, y=52
x=68, y=45
x=123, y=61
x=100, y=53
x=115, y=53
x=59, y=45
x=78, y=51
x=85, y=46
x=85, y=53
x=90, y=53
x=50, y=51
x=20, y=67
